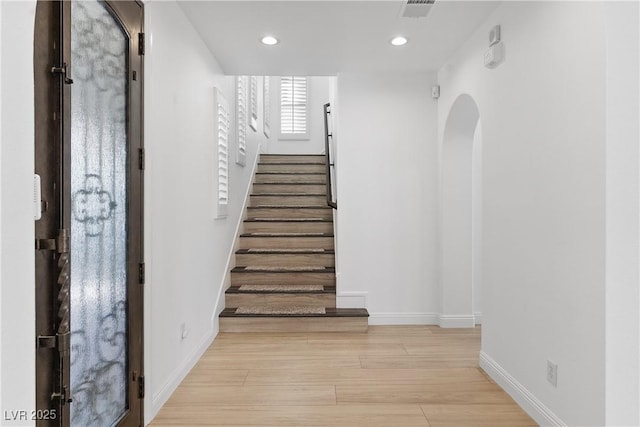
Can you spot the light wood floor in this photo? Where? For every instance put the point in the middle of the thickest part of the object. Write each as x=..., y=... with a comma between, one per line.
x=392, y=376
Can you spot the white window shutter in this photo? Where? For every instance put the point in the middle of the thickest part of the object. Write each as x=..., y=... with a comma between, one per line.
x=293, y=106
x=222, y=149
x=253, y=108
x=241, y=118
x=266, y=114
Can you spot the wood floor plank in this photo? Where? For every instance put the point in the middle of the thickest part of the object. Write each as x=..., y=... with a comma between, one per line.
x=413, y=361
x=257, y=361
x=351, y=376
x=297, y=416
x=292, y=349
x=196, y=395
x=202, y=374
x=476, y=415
x=473, y=393
x=224, y=339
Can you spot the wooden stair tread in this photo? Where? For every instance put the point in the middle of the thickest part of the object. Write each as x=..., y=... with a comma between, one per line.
x=286, y=183
x=243, y=269
x=236, y=290
x=291, y=173
x=290, y=194
x=277, y=251
x=312, y=220
x=289, y=207
x=330, y=312
x=287, y=235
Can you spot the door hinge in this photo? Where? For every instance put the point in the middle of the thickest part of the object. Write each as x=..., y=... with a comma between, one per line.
x=140, y=43
x=58, y=341
x=63, y=72
x=141, y=387
x=141, y=273
x=60, y=244
x=141, y=159
x=63, y=396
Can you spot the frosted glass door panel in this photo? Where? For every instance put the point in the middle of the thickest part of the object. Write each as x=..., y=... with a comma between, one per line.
x=99, y=218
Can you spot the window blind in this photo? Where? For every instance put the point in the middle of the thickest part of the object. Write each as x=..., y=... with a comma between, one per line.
x=293, y=105
x=241, y=118
x=222, y=141
x=253, y=104
x=266, y=115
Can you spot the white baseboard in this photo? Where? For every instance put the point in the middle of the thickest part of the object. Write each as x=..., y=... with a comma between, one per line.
x=176, y=377
x=457, y=321
x=403, y=318
x=527, y=401
x=351, y=299
x=478, y=317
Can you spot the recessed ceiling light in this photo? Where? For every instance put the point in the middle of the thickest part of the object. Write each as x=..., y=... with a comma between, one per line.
x=270, y=40
x=399, y=41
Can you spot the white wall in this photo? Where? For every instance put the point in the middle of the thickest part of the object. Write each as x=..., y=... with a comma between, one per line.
x=387, y=196
x=17, y=228
x=0, y=209
x=186, y=250
x=543, y=125
x=476, y=223
x=622, y=319
x=318, y=92
x=455, y=214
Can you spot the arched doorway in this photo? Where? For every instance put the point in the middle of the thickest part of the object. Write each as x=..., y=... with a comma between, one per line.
x=460, y=215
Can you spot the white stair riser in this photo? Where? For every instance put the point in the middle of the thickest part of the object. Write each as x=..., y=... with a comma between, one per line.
x=294, y=324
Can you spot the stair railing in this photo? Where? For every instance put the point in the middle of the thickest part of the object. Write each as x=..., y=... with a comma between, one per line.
x=327, y=147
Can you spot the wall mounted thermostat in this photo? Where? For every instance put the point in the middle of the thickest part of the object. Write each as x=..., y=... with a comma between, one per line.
x=494, y=56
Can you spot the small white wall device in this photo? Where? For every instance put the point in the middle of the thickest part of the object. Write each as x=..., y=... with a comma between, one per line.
x=494, y=35
x=494, y=56
x=435, y=92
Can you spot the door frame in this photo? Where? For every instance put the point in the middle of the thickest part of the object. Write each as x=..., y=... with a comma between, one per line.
x=53, y=75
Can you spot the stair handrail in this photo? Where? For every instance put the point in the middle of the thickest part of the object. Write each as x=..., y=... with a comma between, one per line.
x=330, y=164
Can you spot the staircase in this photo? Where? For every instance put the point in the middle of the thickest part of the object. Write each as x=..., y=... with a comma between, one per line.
x=284, y=279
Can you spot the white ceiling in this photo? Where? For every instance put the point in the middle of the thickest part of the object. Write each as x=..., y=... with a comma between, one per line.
x=328, y=37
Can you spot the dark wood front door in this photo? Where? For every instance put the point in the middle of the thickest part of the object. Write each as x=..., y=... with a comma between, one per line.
x=88, y=72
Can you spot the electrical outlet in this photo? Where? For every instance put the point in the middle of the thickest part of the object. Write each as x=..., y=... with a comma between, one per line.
x=552, y=373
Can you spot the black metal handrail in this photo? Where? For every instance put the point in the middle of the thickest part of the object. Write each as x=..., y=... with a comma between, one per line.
x=330, y=164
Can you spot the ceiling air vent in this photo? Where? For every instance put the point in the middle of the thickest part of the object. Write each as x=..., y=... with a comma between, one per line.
x=416, y=8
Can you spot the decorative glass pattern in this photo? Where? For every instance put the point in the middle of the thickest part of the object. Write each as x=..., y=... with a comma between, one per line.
x=99, y=217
